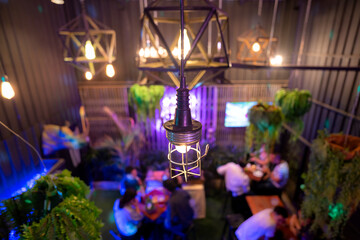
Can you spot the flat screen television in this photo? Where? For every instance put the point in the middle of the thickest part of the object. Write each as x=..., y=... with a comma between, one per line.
x=236, y=114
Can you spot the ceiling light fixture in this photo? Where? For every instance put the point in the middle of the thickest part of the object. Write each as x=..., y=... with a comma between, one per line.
x=202, y=51
x=87, y=43
x=183, y=132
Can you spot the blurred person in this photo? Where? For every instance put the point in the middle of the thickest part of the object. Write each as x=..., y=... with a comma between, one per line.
x=179, y=214
x=262, y=224
x=238, y=183
x=127, y=215
x=274, y=180
x=131, y=180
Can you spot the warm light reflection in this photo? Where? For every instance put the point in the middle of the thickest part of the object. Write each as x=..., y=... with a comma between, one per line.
x=187, y=46
x=88, y=75
x=276, y=61
x=58, y=1
x=182, y=148
x=89, y=50
x=256, y=47
x=6, y=89
x=110, y=71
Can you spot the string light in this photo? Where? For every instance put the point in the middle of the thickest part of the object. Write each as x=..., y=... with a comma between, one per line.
x=6, y=89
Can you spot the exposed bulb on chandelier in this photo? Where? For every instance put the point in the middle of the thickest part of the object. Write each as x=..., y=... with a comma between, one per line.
x=276, y=61
x=182, y=148
x=187, y=45
x=256, y=47
x=110, y=71
x=88, y=75
x=89, y=50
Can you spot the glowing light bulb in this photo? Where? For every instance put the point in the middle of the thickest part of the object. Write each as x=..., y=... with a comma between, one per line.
x=6, y=89
x=153, y=53
x=110, y=71
x=141, y=52
x=58, y=1
x=187, y=45
x=256, y=47
x=175, y=52
x=88, y=75
x=89, y=50
x=147, y=52
x=182, y=148
x=161, y=51
x=276, y=61
x=218, y=46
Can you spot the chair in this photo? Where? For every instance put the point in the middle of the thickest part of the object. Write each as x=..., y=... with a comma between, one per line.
x=183, y=234
x=232, y=221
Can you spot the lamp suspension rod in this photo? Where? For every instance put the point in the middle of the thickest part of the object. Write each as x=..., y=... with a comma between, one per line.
x=2, y=66
x=182, y=78
x=272, y=27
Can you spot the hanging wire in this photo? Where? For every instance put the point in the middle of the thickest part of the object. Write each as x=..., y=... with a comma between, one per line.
x=182, y=78
x=26, y=142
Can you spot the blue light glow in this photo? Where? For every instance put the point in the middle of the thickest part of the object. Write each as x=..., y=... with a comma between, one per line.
x=20, y=182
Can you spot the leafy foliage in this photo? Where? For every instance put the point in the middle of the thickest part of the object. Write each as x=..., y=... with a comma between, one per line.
x=146, y=99
x=74, y=218
x=156, y=159
x=331, y=188
x=36, y=203
x=130, y=143
x=294, y=104
x=265, y=123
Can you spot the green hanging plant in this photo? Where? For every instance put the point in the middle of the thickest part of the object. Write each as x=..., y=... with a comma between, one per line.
x=294, y=104
x=34, y=204
x=145, y=99
x=265, y=123
x=332, y=184
x=74, y=218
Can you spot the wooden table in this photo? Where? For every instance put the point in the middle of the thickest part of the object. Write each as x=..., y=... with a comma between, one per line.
x=259, y=203
x=159, y=207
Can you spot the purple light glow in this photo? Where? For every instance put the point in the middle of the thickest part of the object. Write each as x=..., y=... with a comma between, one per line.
x=168, y=105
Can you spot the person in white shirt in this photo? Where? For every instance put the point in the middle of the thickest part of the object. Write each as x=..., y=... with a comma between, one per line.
x=238, y=183
x=236, y=180
x=127, y=213
x=262, y=224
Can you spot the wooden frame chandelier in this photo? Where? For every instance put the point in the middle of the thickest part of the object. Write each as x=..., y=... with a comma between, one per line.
x=87, y=42
x=206, y=39
x=253, y=46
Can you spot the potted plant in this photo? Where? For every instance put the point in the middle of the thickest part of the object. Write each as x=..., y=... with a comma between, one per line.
x=265, y=123
x=332, y=183
x=294, y=104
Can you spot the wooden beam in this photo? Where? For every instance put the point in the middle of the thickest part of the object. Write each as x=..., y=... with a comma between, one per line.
x=174, y=79
x=196, y=79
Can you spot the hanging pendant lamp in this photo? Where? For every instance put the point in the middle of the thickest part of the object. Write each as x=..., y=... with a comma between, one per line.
x=184, y=133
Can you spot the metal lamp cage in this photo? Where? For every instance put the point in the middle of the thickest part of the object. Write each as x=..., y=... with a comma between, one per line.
x=184, y=165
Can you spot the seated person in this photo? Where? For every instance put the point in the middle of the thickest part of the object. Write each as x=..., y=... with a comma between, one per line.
x=261, y=157
x=153, y=182
x=237, y=182
x=276, y=179
x=262, y=224
x=127, y=214
x=131, y=180
x=179, y=214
